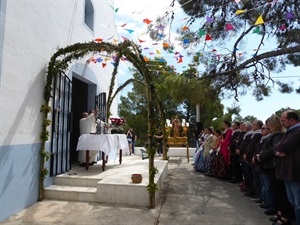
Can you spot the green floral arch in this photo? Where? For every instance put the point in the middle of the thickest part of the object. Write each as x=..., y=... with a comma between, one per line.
x=60, y=62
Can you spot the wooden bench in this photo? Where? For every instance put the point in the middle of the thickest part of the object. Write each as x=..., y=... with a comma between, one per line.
x=144, y=154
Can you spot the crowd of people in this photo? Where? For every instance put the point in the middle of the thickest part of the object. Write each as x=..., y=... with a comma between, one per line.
x=262, y=158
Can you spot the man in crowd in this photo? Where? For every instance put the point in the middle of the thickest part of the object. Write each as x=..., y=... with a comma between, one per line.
x=288, y=150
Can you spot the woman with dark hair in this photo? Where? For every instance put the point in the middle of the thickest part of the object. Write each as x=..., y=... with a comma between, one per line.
x=224, y=149
x=211, y=164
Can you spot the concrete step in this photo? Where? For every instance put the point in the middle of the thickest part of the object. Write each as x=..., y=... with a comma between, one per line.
x=77, y=181
x=71, y=193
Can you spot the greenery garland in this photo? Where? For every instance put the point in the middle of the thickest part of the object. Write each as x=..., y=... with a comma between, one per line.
x=59, y=62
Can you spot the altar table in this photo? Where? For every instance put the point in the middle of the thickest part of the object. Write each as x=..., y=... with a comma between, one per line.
x=106, y=143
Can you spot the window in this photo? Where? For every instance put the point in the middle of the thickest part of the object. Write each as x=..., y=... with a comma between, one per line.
x=89, y=14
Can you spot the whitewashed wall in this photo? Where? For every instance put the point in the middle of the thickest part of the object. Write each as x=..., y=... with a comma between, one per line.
x=30, y=32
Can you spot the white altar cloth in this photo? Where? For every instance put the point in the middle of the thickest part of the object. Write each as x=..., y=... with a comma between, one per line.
x=107, y=143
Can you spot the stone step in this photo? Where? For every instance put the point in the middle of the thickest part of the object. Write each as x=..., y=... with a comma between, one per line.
x=71, y=193
x=77, y=181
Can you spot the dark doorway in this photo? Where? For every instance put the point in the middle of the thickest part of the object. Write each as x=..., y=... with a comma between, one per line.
x=79, y=105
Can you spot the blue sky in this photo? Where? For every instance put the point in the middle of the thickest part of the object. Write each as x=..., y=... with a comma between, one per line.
x=133, y=13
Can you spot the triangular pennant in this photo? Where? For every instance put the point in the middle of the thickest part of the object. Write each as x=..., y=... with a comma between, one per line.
x=141, y=41
x=209, y=19
x=239, y=11
x=282, y=27
x=259, y=21
x=130, y=31
x=208, y=38
x=157, y=52
x=123, y=25
x=229, y=27
x=99, y=39
x=185, y=28
x=165, y=45
x=186, y=41
x=180, y=60
x=256, y=30
x=289, y=16
x=147, y=21
x=201, y=32
x=146, y=59
x=103, y=65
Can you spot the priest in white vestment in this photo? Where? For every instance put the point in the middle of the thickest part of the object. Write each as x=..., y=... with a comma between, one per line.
x=88, y=125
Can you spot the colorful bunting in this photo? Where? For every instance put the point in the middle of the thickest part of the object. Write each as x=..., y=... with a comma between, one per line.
x=282, y=27
x=229, y=27
x=147, y=21
x=256, y=30
x=259, y=21
x=185, y=28
x=201, y=32
x=166, y=45
x=239, y=11
x=289, y=16
x=157, y=52
x=103, y=65
x=209, y=19
x=99, y=39
x=141, y=41
x=130, y=31
x=146, y=59
x=208, y=38
x=186, y=41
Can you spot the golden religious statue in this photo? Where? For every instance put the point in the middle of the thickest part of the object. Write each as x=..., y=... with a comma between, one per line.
x=176, y=127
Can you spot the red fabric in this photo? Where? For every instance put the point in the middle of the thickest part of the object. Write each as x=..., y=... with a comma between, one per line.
x=225, y=142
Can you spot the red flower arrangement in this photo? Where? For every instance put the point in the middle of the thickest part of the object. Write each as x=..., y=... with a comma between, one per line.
x=117, y=121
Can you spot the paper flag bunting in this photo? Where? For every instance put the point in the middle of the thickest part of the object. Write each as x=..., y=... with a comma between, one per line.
x=165, y=45
x=229, y=27
x=146, y=48
x=124, y=38
x=151, y=53
x=209, y=19
x=208, y=38
x=186, y=41
x=185, y=28
x=201, y=32
x=116, y=10
x=289, y=16
x=259, y=21
x=160, y=36
x=237, y=1
x=141, y=41
x=123, y=25
x=130, y=31
x=103, y=65
x=256, y=30
x=157, y=52
x=99, y=60
x=155, y=43
x=146, y=59
x=147, y=21
x=99, y=39
x=282, y=27
x=239, y=11
x=180, y=60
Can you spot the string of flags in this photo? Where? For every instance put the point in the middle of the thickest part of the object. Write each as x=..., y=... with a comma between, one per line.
x=201, y=32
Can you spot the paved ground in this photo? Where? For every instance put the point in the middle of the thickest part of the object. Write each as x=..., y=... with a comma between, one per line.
x=188, y=198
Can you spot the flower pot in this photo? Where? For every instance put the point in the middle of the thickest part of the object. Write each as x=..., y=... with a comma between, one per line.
x=136, y=178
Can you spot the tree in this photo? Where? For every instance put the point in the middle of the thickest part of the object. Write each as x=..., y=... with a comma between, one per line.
x=275, y=21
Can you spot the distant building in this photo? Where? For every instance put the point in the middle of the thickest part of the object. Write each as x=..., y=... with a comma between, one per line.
x=30, y=33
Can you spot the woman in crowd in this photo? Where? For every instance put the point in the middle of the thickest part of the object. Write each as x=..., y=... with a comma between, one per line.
x=284, y=213
x=203, y=154
x=211, y=164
